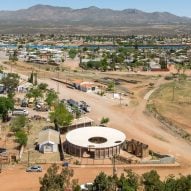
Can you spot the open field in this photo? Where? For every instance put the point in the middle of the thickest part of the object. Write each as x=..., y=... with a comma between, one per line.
x=173, y=101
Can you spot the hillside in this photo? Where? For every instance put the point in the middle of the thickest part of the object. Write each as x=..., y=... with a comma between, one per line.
x=45, y=16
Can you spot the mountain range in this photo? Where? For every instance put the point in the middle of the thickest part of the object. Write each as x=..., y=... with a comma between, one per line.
x=45, y=16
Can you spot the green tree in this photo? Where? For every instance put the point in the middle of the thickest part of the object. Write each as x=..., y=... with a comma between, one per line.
x=151, y=181
x=54, y=180
x=51, y=97
x=21, y=137
x=104, y=120
x=43, y=86
x=34, y=92
x=18, y=123
x=72, y=53
x=170, y=183
x=176, y=184
x=101, y=182
x=163, y=63
x=129, y=182
x=35, y=79
x=111, y=86
x=77, y=112
x=31, y=78
x=11, y=81
x=13, y=58
x=61, y=116
x=6, y=104
x=112, y=183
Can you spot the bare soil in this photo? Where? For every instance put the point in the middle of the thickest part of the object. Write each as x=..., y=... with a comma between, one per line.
x=131, y=120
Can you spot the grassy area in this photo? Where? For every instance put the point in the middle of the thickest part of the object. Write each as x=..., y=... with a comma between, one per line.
x=173, y=102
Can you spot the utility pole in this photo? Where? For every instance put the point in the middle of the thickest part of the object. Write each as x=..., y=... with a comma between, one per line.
x=58, y=83
x=120, y=99
x=11, y=67
x=173, y=91
x=1, y=165
x=113, y=88
x=114, y=168
x=28, y=161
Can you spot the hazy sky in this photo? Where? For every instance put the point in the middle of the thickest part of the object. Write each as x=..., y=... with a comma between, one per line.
x=179, y=7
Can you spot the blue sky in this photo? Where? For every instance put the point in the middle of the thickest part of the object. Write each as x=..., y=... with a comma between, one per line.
x=179, y=7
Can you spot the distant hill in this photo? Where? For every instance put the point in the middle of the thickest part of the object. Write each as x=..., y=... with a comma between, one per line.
x=42, y=16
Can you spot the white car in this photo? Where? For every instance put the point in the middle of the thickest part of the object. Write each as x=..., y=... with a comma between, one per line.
x=20, y=112
x=34, y=168
x=86, y=186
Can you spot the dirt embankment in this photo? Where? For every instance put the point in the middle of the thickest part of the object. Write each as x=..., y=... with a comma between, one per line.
x=171, y=105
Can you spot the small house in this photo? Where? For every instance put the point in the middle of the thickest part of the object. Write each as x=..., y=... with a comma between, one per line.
x=48, y=141
x=154, y=66
x=88, y=87
x=85, y=86
x=24, y=87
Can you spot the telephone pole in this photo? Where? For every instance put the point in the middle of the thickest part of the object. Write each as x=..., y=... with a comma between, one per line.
x=58, y=83
x=114, y=168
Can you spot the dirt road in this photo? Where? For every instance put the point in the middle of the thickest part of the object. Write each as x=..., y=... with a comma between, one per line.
x=132, y=121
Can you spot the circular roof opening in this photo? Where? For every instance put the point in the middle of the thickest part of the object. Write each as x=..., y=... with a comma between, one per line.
x=97, y=140
x=117, y=141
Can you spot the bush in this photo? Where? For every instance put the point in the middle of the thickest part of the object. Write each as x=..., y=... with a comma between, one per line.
x=72, y=53
x=104, y=120
x=21, y=138
x=168, y=78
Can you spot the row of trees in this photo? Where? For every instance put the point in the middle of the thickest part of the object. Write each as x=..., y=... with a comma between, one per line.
x=10, y=82
x=127, y=181
x=150, y=181
x=18, y=126
x=56, y=180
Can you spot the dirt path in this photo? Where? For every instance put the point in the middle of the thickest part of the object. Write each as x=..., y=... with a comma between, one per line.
x=132, y=121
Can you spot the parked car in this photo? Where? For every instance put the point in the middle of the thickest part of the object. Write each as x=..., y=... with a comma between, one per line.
x=87, y=186
x=65, y=164
x=84, y=106
x=31, y=102
x=34, y=168
x=3, y=151
x=20, y=112
x=24, y=103
x=42, y=108
x=72, y=103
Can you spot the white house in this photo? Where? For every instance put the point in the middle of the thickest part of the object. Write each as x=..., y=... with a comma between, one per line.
x=48, y=141
x=85, y=86
x=24, y=87
x=154, y=66
x=88, y=87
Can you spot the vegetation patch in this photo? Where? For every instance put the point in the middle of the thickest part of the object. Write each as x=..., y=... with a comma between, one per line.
x=171, y=104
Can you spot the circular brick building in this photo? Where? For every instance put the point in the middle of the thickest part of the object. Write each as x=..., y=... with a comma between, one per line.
x=94, y=142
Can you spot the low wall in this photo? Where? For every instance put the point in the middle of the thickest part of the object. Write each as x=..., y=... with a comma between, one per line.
x=162, y=159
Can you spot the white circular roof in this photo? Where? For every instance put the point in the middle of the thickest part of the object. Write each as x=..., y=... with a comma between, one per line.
x=81, y=136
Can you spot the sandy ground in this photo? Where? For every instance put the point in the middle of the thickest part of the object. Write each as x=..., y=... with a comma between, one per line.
x=132, y=121
x=72, y=64
x=15, y=178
